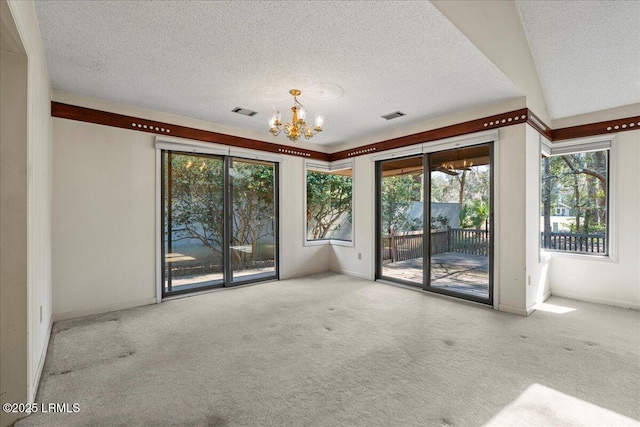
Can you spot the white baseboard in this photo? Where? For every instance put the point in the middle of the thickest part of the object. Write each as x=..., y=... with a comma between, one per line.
x=103, y=309
x=514, y=310
x=622, y=304
x=533, y=306
x=353, y=273
x=43, y=356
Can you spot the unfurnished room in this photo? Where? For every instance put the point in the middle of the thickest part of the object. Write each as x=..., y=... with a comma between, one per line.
x=320, y=213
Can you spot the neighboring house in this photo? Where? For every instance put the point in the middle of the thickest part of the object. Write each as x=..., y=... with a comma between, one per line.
x=561, y=209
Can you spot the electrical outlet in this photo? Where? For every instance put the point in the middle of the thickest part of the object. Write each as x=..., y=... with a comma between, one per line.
x=359, y=255
x=40, y=314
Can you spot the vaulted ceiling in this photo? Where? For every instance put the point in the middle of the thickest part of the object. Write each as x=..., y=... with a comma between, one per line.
x=353, y=61
x=586, y=53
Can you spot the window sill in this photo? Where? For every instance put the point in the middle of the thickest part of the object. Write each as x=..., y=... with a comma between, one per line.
x=329, y=242
x=577, y=256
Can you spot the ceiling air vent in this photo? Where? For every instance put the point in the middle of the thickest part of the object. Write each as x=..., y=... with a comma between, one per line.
x=244, y=111
x=393, y=115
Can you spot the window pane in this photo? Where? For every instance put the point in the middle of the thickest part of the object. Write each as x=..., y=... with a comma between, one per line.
x=329, y=203
x=460, y=220
x=253, y=226
x=401, y=220
x=574, y=202
x=193, y=222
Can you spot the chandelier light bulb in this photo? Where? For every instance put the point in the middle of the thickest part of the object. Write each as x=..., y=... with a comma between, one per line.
x=319, y=122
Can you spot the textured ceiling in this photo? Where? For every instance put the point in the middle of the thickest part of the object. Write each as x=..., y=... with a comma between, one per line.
x=202, y=59
x=586, y=52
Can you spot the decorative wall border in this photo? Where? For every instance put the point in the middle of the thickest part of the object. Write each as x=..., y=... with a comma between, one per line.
x=73, y=112
x=600, y=128
x=472, y=126
x=511, y=118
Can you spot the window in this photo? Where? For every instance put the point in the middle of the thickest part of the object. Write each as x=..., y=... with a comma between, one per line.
x=329, y=203
x=574, y=198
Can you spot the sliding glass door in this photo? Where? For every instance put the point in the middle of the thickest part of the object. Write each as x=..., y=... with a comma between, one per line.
x=193, y=218
x=460, y=211
x=400, y=220
x=253, y=220
x=452, y=253
x=219, y=219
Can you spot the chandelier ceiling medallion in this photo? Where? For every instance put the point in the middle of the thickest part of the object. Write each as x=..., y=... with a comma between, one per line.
x=297, y=127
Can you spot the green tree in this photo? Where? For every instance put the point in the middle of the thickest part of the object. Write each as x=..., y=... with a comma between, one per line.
x=253, y=208
x=329, y=203
x=578, y=180
x=476, y=214
x=399, y=193
x=197, y=203
x=197, y=199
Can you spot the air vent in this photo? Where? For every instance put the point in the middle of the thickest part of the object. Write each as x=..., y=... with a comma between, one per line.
x=244, y=111
x=393, y=115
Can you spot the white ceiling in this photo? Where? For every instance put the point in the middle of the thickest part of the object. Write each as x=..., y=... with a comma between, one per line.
x=587, y=53
x=202, y=59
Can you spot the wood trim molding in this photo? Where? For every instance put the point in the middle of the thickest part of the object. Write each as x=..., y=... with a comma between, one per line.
x=600, y=128
x=486, y=123
x=524, y=115
x=73, y=112
x=535, y=122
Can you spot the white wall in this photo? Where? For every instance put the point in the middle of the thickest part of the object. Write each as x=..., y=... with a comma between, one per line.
x=30, y=170
x=103, y=218
x=295, y=258
x=615, y=282
x=538, y=287
x=509, y=220
x=344, y=259
x=104, y=187
x=13, y=230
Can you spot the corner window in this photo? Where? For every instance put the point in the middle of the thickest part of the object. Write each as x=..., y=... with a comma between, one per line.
x=329, y=212
x=575, y=198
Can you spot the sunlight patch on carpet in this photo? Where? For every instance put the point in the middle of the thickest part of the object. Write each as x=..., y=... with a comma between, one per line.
x=543, y=406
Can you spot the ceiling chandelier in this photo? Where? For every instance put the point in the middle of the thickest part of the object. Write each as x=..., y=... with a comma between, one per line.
x=297, y=127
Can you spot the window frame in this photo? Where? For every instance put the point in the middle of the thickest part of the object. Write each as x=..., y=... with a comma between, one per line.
x=328, y=167
x=580, y=145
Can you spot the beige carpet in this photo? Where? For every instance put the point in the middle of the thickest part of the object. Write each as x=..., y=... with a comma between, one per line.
x=332, y=350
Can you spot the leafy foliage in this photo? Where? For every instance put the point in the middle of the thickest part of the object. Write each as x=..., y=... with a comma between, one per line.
x=470, y=189
x=399, y=192
x=439, y=222
x=474, y=214
x=578, y=180
x=253, y=208
x=197, y=199
x=197, y=203
x=329, y=204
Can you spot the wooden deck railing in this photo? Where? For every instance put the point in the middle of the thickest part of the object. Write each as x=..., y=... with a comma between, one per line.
x=574, y=242
x=409, y=245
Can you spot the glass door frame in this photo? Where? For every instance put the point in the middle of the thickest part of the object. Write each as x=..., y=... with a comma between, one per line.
x=228, y=227
x=378, y=227
x=227, y=276
x=427, y=282
x=426, y=253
